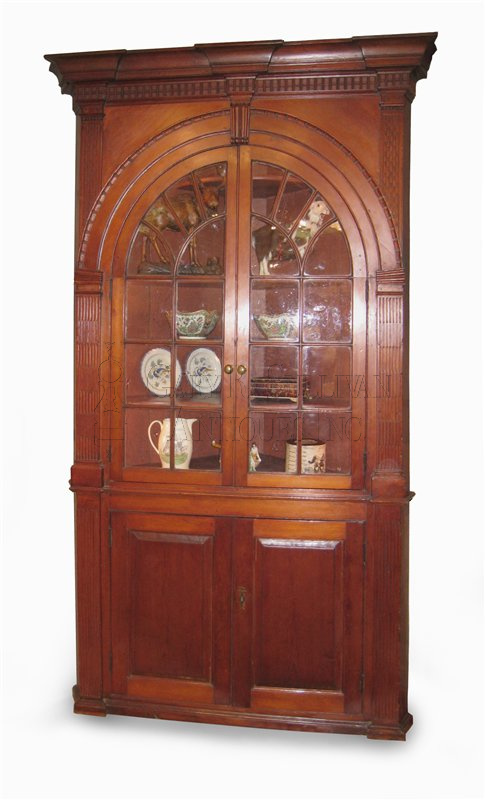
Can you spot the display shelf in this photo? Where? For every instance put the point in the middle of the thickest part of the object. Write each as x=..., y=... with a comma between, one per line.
x=200, y=276
x=201, y=401
x=289, y=405
x=274, y=405
x=149, y=278
x=150, y=343
x=205, y=463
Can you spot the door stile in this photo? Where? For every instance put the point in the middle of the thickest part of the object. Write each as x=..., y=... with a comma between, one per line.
x=121, y=569
x=230, y=320
x=241, y=426
x=359, y=389
x=242, y=613
x=221, y=611
x=353, y=579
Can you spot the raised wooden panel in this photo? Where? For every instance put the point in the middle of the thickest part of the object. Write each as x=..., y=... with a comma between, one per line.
x=170, y=615
x=171, y=605
x=298, y=607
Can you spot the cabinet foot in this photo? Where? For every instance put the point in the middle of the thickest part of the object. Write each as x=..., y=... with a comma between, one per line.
x=88, y=705
x=389, y=731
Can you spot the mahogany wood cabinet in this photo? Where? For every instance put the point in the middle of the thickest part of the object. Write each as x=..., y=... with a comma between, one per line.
x=241, y=382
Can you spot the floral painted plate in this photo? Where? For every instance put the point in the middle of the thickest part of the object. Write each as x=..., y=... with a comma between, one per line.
x=155, y=371
x=203, y=370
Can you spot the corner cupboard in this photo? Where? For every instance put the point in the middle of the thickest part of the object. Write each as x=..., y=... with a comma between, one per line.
x=241, y=394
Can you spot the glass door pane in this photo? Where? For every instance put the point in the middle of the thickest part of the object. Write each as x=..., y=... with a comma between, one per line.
x=174, y=330
x=299, y=413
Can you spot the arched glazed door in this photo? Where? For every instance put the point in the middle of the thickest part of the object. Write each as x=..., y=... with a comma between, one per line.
x=240, y=322
x=174, y=325
x=299, y=421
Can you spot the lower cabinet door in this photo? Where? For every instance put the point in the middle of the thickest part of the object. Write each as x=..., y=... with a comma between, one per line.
x=170, y=608
x=298, y=600
x=261, y=614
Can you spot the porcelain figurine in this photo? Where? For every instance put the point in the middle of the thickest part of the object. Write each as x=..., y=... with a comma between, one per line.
x=310, y=224
x=254, y=458
x=271, y=245
x=183, y=444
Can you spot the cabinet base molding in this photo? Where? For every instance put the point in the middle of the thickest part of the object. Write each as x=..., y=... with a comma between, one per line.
x=124, y=706
x=88, y=705
x=386, y=731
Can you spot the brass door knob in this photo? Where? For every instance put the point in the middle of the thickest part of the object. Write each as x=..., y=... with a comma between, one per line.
x=241, y=369
x=228, y=369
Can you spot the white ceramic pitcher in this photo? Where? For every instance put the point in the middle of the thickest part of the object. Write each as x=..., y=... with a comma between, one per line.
x=183, y=444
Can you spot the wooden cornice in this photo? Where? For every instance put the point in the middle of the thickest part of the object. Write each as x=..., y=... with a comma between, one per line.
x=367, y=64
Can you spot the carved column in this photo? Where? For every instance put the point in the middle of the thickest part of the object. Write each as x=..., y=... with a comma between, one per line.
x=86, y=481
x=88, y=288
x=87, y=471
x=391, y=471
x=386, y=638
x=397, y=89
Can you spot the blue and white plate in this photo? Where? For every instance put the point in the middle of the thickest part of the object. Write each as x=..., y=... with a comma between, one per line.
x=155, y=371
x=203, y=370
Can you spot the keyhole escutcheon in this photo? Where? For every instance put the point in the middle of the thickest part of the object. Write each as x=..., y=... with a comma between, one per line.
x=242, y=592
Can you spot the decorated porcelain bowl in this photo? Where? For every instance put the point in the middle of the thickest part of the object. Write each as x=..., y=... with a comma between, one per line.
x=277, y=326
x=196, y=324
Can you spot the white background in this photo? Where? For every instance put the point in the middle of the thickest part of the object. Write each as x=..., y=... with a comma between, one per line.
x=49, y=752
